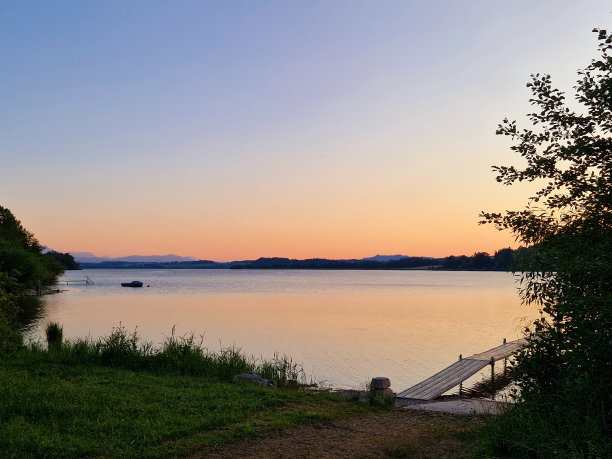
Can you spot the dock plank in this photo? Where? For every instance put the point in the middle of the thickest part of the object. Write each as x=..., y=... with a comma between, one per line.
x=499, y=352
x=453, y=375
x=444, y=380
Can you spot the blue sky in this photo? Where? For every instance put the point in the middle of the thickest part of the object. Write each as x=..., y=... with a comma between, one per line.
x=235, y=129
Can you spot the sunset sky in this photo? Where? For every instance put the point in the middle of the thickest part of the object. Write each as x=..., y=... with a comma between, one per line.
x=231, y=130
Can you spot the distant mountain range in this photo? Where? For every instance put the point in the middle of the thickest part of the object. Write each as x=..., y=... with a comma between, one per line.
x=481, y=261
x=88, y=257
x=269, y=263
x=388, y=257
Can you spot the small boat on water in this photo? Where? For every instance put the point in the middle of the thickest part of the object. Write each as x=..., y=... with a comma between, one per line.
x=131, y=284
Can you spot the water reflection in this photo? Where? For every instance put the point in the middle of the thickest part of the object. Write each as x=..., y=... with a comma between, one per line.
x=30, y=312
x=345, y=326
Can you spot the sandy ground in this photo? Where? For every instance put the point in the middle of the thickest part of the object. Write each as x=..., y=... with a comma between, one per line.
x=401, y=432
x=455, y=406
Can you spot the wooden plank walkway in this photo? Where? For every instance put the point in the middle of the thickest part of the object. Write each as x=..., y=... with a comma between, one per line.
x=502, y=351
x=86, y=281
x=458, y=372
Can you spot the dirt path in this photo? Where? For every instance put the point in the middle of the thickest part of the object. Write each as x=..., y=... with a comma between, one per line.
x=398, y=432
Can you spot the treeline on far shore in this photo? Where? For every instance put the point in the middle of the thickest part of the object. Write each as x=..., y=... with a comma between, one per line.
x=502, y=260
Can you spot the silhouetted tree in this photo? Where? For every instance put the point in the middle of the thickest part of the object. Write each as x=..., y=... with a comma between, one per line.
x=565, y=372
x=22, y=265
x=482, y=260
x=64, y=259
x=504, y=259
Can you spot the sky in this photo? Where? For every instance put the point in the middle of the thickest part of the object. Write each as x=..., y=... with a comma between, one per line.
x=239, y=129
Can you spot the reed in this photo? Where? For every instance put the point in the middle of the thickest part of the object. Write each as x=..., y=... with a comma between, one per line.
x=178, y=354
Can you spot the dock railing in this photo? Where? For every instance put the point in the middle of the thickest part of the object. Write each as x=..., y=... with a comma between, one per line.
x=87, y=281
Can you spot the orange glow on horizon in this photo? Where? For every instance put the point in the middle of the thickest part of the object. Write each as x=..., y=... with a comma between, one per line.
x=374, y=135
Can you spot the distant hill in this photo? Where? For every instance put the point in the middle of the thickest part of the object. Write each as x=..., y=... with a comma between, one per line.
x=385, y=257
x=88, y=257
x=323, y=263
x=502, y=260
x=198, y=264
x=268, y=263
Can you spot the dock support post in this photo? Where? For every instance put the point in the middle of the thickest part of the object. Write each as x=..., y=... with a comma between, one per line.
x=461, y=383
x=492, y=377
x=505, y=360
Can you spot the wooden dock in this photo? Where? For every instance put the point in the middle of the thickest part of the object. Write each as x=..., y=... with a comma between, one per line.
x=459, y=371
x=86, y=281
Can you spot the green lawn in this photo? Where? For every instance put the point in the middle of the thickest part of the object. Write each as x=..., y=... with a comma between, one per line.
x=50, y=408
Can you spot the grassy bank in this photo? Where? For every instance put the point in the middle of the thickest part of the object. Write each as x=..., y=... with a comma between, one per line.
x=118, y=397
x=51, y=408
x=177, y=355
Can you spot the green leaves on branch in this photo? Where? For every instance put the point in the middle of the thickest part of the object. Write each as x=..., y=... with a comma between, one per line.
x=568, y=271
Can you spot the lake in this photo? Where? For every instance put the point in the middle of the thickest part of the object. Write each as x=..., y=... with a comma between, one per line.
x=345, y=327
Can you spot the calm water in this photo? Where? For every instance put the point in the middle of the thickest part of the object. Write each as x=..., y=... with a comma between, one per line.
x=345, y=327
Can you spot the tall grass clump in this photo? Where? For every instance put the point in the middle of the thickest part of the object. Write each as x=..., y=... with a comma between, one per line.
x=178, y=354
x=187, y=355
x=282, y=369
x=124, y=349
x=230, y=361
x=182, y=353
x=54, y=333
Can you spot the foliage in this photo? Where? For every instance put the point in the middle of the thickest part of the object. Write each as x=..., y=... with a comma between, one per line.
x=566, y=368
x=12, y=230
x=65, y=260
x=502, y=260
x=558, y=425
x=21, y=255
x=22, y=267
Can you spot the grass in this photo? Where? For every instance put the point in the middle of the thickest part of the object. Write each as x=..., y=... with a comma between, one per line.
x=52, y=408
x=120, y=397
x=183, y=355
